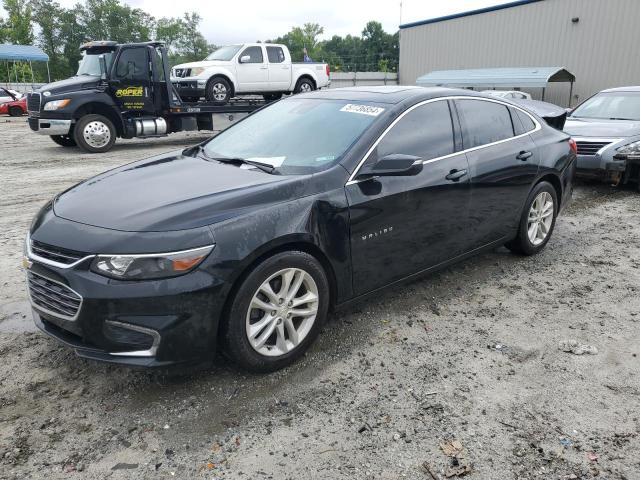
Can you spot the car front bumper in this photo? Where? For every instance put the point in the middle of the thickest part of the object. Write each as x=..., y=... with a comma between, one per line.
x=49, y=126
x=190, y=87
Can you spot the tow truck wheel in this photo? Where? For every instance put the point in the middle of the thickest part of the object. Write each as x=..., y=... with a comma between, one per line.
x=218, y=91
x=15, y=111
x=64, y=140
x=95, y=133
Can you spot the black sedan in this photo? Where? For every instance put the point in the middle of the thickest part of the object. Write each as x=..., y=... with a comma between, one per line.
x=249, y=240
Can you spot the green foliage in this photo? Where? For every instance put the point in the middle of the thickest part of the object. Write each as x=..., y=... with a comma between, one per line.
x=61, y=31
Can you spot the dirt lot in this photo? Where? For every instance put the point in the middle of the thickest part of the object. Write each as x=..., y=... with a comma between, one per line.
x=459, y=372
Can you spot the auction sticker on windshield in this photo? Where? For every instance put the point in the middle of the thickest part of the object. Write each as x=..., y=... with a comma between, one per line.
x=362, y=109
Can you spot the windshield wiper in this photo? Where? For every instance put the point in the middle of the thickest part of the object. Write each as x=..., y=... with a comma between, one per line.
x=265, y=167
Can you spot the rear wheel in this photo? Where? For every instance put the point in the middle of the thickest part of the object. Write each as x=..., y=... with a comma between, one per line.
x=64, y=140
x=218, y=91
x=277, y=312
x=304, y=85
x=15, y=111
x=95, y=133
x=537, y=222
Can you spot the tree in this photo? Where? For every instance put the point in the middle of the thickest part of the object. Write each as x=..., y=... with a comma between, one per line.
x=300, y=37
x=18, y=28
x=192, y=46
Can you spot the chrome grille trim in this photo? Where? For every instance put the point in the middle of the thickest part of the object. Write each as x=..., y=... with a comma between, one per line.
x=53, y=297
x=590, y=146
x=151, y=352
x=32, y=254
x=33, y=104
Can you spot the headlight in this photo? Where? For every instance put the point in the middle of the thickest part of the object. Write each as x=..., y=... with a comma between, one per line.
x=57, y=104
x=630, y=149
x=197, y=71
x=149, y=266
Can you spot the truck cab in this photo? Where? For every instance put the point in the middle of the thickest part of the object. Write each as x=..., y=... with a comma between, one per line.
x=120, y=90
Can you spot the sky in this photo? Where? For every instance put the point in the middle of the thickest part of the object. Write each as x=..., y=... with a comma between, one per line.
x=251, y=20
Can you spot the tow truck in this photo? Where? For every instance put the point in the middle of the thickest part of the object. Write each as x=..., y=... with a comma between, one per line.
x=121, y=91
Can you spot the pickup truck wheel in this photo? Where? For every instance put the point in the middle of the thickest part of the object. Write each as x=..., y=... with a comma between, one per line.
x=218, y=91
x=272, y=97
x=277, y=312
x=15, y=111
x=64, y=140
x=95, y=133
x=304, y=85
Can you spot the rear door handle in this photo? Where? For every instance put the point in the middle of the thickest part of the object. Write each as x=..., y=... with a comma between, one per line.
x=524, y=155
x=455, y=175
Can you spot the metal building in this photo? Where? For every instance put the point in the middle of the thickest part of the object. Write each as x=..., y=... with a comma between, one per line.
x=596, y=40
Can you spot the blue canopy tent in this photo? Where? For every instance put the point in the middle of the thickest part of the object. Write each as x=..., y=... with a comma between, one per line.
x=23, y=53
x=527, y=77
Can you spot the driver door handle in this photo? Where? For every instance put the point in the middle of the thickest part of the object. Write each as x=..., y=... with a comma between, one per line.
x=455, y=175
x=524, y=155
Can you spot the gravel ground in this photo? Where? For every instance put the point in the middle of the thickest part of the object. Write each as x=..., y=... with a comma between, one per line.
x=459, y=373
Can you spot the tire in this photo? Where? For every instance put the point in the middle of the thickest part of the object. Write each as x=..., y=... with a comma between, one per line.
x=278, y=348
x=218, y=91
x=272, y=97
x=64, y=140
x=304, y=85
x=542, y=221
x=94, y=133
x=15, y=111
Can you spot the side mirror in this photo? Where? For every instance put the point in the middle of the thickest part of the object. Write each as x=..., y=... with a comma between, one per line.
x=245, y=59
x=103, y=67
x=392, y=165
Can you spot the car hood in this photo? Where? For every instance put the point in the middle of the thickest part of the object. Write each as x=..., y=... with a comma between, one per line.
x=585, y=127
x=172, y=192
x=204, y=63
x=80, y=82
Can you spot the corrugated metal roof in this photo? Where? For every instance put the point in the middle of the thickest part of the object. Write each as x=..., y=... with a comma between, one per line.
x=468, y=13
x=497, y=77
x=22, y=52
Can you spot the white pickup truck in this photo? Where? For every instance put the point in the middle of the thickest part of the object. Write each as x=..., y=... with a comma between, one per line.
x=247, y=69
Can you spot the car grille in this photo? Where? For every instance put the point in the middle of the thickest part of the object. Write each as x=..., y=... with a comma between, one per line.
x=53, y=297
x=182, y=72
x=56, y=254
x=590, y=148
x=33, y=104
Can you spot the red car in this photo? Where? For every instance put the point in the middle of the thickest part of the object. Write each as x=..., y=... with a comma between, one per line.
x=14, y=108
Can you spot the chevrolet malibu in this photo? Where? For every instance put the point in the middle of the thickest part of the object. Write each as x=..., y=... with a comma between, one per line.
x=247, y=241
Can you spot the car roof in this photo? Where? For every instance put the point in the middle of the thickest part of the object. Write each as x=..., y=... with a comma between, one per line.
x=391, y=94
x=623, y=89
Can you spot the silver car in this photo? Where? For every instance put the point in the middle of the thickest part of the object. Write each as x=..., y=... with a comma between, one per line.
x=606, y=128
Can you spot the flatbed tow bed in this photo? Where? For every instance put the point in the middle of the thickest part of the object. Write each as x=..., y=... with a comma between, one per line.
x=120, y=91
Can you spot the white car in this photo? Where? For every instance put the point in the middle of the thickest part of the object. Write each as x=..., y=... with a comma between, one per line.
x=247, y=69
x=510, y=94
x=8, y=95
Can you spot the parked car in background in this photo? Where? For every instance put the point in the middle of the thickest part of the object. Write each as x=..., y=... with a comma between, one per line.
x=14, y=108
x=9, y=95
x=606, y=128
x=250, y=68
x=554, y=115
x=510, y=94
x=248, y=240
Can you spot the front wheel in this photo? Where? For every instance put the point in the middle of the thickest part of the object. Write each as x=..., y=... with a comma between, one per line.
x=15, y=111
x=64, y=140
x=277, y=312
x=537, y=222
x=94, y=133
x=218, y=91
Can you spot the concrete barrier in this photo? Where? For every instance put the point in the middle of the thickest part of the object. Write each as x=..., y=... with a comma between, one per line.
x=350, y=79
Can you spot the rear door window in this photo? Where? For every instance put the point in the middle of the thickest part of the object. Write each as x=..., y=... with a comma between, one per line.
x=527, y=123
x=275, y=54
x=483, y=122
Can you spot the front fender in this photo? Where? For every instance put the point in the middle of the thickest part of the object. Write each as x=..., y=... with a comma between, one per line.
x=225, y=72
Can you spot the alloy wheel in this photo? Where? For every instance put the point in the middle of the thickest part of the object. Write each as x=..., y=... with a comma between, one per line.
x=305, y=87
x=219, y=91
x=282, y=312
x=540, y=218
x=96, y=134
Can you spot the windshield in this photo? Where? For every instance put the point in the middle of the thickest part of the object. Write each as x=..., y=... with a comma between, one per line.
x=224, y=53
x=611, y=105
x=296, y=136
x=90, y=63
